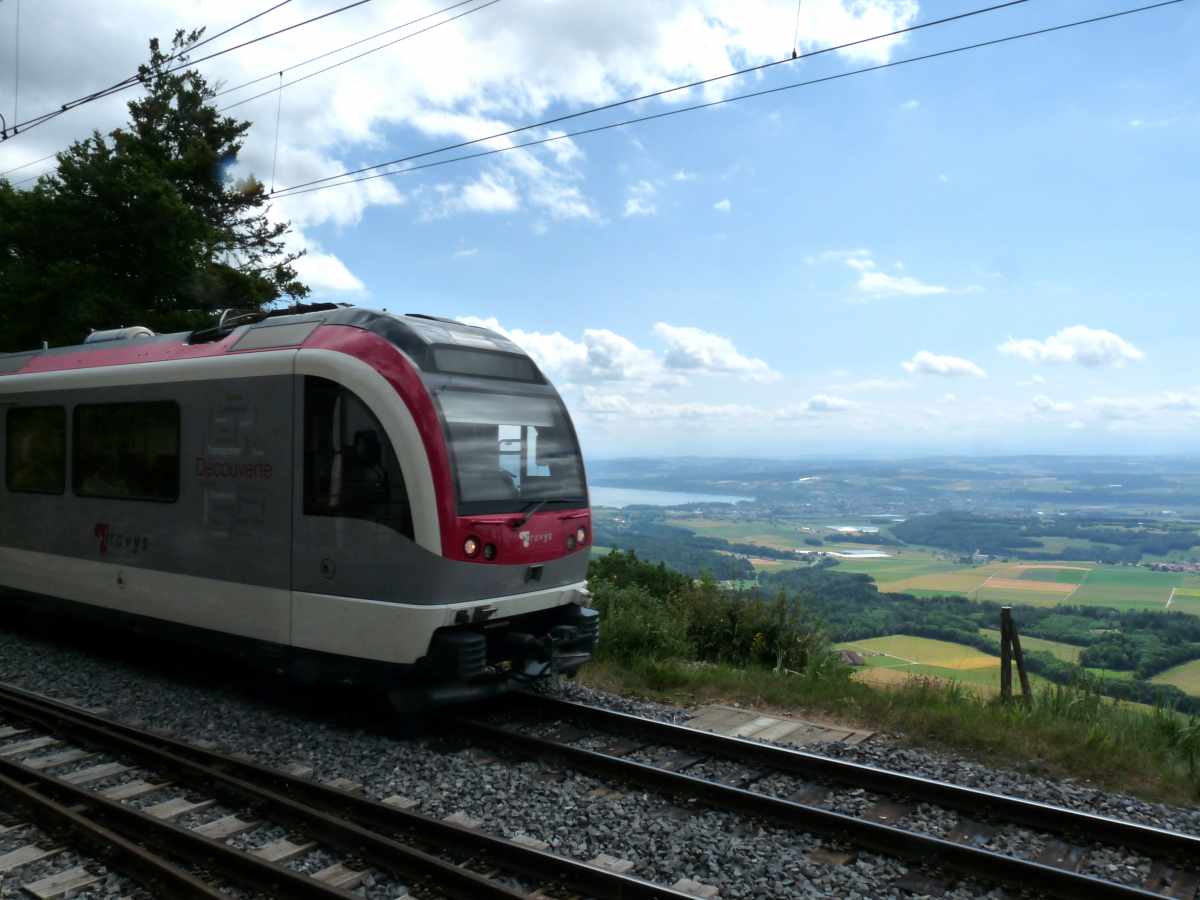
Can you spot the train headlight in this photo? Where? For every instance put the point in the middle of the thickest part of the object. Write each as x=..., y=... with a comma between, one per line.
x=489, y=551
x=471, y=546
x=580, y=535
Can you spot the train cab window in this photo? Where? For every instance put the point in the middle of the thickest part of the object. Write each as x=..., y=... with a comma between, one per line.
x=36, y=450
x=510, y=450
x=350, y=468
x=127, y=451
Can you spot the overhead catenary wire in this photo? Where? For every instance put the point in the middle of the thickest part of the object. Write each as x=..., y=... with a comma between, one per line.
x=133, y=79
x=315, y=186
x=17, y=67
x=28, y=164
x=352, y=44
x=279, y=73
x=124, y=85
x=662, y=93
x=358, y=56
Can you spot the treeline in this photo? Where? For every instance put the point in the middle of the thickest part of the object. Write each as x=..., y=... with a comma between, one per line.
x=964, y=532
x=683, y=550
x=1146, y=643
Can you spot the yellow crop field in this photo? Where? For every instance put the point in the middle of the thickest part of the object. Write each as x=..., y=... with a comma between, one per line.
x=901, y=649
x=1065, y=652
x=1186, y=677
x=1024, y=584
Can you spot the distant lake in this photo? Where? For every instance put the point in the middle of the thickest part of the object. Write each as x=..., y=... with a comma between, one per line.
x=621, y=497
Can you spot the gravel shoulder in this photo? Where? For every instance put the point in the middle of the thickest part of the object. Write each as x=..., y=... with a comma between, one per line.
x=340, y=736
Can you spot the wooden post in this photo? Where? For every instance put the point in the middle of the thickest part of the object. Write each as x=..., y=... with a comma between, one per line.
x=1026, y=693
x=1006, y=653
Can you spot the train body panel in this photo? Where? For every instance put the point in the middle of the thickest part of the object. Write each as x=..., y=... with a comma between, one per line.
x=309, y=484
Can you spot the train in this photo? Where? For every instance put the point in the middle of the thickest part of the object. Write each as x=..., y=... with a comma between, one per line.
x=346, y=495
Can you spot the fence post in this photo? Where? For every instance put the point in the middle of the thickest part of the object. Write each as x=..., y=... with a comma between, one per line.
x=1006, y=653
x=1026, y=693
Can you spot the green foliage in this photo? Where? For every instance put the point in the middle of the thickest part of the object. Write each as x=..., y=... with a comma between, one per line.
x=649, y=612
x=1103, y=540
x=640, y=626
x=852, y=608
x=680, y=638
x=141, y=226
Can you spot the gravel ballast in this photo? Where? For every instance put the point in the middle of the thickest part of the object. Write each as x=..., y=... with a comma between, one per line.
x=576, y=814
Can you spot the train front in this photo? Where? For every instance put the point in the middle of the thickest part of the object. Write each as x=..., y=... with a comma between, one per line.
x=514, y=516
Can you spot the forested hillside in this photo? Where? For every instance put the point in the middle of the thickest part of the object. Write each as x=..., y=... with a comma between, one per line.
x=1103, y=540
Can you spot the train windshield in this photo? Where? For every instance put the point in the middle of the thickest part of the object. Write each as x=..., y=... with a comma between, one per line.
x=511, y=450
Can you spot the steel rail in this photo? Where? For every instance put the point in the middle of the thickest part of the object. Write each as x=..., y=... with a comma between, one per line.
x=140, y=864
x=310, y=802
x=887, y=839
x=178, y=841
x=1016, y=810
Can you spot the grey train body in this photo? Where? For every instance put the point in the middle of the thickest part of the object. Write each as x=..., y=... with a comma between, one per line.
x=237, y=557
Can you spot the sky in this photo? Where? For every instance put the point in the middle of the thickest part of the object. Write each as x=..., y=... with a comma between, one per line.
x=991, y=252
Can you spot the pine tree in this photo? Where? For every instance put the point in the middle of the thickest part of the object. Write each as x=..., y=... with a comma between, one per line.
x=142, y=226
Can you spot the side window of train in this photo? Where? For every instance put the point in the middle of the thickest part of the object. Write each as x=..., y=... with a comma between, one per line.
x=127, y=451
x=350, y=468
x=36, y=450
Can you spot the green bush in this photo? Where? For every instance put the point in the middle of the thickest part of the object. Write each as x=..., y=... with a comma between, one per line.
x=636, y=625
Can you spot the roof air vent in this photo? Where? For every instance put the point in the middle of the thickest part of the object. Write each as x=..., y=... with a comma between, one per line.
x=118, y=334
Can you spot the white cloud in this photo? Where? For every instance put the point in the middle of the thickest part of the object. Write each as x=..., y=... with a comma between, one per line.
x=1092, y=347
x=601, y=356
x=874, y=283
x=464, y=252
x=539, y=58
x=1032, y=381
x=683, y=175
x=926, y=363
x=639, y=200
x=325, y=272
x=818, y=404
x=1167, y=406
x=910, y=104
x=949, y=398
x=723, y=205
x=1044, y=405
x=488, y=194
x=872, y=385
x=624, y=407
x=710, y=415
x=694, y=350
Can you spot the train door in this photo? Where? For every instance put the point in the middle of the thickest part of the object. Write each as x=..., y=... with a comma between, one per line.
x=353, y=519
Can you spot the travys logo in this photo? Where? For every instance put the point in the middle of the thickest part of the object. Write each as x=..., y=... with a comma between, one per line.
x=119, y=541
x=528, y=538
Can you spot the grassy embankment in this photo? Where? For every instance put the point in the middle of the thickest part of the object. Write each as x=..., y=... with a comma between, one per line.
x=669, y=639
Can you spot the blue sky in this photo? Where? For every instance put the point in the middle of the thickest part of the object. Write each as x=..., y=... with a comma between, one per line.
x=1017, y=224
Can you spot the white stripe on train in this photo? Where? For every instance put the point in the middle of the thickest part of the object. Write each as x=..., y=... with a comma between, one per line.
x=366, y=629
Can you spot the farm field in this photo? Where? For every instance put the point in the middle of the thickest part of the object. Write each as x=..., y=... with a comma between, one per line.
x=927, y=573
x=1186, y=677
x=1065, y=652
x=893, y=659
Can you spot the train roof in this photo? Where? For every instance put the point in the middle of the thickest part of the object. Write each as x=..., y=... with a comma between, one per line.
x=433, y=343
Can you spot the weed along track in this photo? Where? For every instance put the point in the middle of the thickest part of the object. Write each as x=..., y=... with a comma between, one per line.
x=120, y=790
x=948, y=831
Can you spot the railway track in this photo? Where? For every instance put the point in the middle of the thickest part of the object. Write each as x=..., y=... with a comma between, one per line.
x=795, y=788
x=124, y=793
